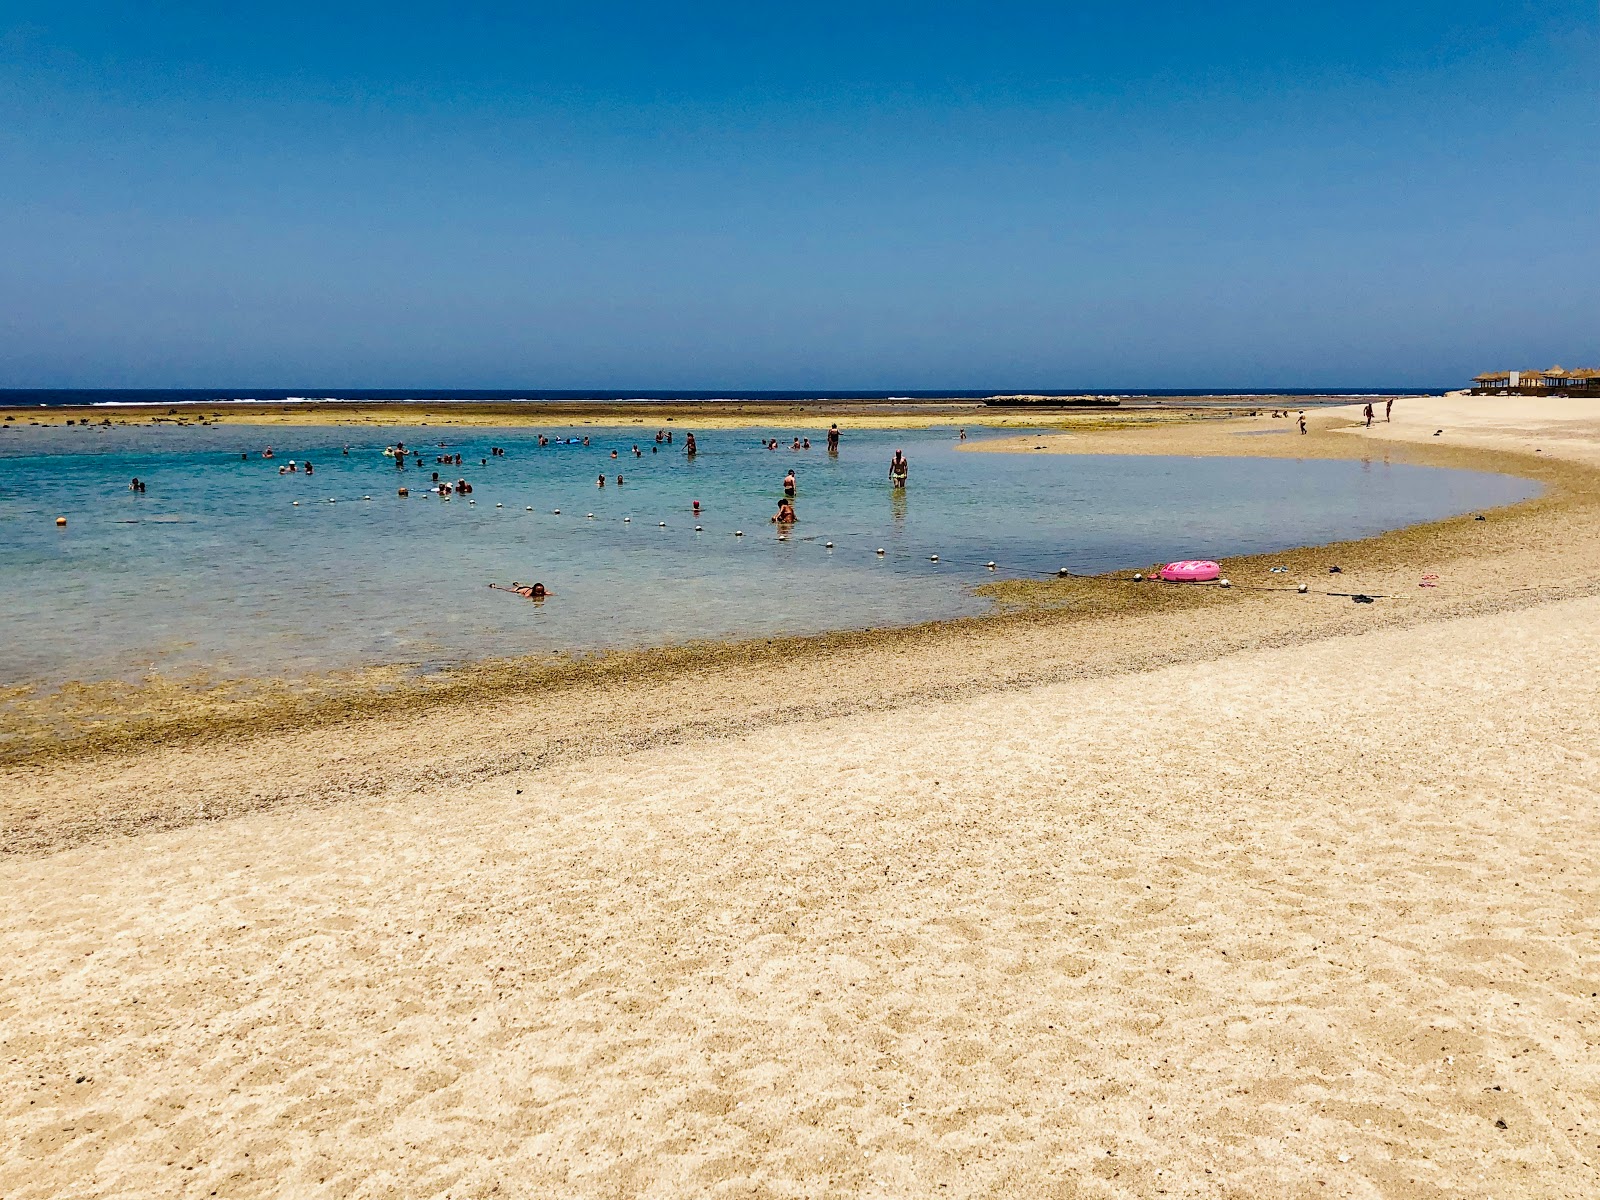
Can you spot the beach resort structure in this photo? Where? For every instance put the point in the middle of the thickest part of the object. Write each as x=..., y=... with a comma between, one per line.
x=1557, y=381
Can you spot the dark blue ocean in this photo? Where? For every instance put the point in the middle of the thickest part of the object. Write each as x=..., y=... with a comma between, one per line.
x=23, y=397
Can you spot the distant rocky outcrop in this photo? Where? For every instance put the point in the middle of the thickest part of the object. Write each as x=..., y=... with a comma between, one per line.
x=1032, y=401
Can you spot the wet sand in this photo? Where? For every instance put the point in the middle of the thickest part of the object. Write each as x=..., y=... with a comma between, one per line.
x=1136, y=891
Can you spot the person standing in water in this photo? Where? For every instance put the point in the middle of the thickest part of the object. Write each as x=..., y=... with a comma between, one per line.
x=833, y=438
x=688, y=445
x=788, y=484
x=899, y=469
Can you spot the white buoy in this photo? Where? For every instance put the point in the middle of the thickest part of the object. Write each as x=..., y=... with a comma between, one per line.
x=60, y=522
x=366, y=497
x=1138, y=577
x=530, y=508
x=591, y=516
x=880, y=550
x=989, y=564
x=471, y=501
x=296, y=504
x=499, y=505
x=1223, y=583
x=738, y=533
x=933, y=558
x=1302, y=589
x=827, y=545
x=661, y=524
x=625, y=520
x=1063, y=572
x=557, y=511
x=699, y=528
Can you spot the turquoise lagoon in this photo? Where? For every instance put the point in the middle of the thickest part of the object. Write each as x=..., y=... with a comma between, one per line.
x=215, y=568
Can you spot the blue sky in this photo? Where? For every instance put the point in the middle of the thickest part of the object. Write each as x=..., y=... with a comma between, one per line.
x=830, y=196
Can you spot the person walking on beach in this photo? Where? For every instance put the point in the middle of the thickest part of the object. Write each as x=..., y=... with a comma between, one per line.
x=1302, y=422
x=899, y=469
x=1367, y=413
x=1388, y=409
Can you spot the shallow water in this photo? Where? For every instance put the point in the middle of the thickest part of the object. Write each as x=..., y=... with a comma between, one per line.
x=215, y=568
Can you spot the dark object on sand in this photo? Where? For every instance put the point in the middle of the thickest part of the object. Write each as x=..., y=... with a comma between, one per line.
x=1335, y=571
x=1360, y=599
x=1052, y=402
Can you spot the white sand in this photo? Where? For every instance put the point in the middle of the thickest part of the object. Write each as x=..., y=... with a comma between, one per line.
x=1243, y=917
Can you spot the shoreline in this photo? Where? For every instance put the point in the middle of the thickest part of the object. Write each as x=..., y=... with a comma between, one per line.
x=110, y=723
x=705, y=414
x=1240, y=892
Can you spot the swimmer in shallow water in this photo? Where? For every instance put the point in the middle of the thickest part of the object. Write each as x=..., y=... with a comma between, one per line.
x=785, y=514
x=788, y=484
x=528, y=591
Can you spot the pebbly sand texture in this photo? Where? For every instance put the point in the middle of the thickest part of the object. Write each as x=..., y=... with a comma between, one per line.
x=1209, y=901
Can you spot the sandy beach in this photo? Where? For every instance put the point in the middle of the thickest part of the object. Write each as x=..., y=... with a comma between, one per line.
x=1126, y=891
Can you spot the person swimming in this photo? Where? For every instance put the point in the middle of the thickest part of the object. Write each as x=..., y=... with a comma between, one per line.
x=528, y=591
x=785, y=514
x=601, y=482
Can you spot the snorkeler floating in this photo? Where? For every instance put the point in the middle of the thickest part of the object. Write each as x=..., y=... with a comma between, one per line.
x=528, y=591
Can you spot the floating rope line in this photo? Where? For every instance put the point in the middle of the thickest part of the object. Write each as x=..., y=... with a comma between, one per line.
x=1025, y=571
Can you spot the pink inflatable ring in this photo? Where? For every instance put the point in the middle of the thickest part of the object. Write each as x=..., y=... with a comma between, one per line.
x=1191, y=570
